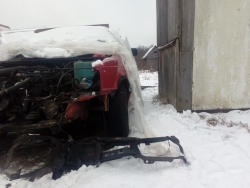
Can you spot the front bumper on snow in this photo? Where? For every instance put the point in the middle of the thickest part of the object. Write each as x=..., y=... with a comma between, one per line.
x=69, y=155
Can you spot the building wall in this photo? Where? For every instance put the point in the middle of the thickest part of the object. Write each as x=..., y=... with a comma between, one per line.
x=175, y=40
x=221, y=65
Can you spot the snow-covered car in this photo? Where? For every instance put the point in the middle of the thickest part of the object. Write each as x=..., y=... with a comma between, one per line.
x=64, y=81
x=60, y=77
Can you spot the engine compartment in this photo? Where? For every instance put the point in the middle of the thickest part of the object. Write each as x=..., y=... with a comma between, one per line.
x=41, y=91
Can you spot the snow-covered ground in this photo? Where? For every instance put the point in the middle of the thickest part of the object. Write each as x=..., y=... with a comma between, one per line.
x=216, y=145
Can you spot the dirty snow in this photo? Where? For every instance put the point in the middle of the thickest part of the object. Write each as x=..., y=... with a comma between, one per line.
x=216, y=145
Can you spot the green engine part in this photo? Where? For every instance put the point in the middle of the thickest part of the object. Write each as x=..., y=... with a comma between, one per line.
x=83, y=69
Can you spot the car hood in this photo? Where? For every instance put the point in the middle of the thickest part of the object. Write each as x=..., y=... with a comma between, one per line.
x=61, y=42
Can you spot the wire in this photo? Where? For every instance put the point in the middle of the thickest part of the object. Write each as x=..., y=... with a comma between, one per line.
x=104, y=119
x=67, y=109
x=13, y=102
x=72, y=84
x=61, y=80
x=64, y=84
x=62, y=69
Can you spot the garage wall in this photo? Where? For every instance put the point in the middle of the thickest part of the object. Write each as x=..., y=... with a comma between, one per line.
x=221, y=64
x=175, y=40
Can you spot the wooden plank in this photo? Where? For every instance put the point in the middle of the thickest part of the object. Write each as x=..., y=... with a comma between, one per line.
x=162, y=22
x=168, y=21
x=187, y=17
x=185, y=81
x=160, y=73
x=175, y=19
x=168, y=60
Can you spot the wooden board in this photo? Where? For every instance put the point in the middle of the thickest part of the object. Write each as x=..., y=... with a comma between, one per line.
x=175, y=20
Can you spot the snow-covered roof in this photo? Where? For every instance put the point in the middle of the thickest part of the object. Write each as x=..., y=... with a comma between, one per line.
x=150, y=51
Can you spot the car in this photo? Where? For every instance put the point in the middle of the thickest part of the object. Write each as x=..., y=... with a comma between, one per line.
x=67, y=90
x=61, y=92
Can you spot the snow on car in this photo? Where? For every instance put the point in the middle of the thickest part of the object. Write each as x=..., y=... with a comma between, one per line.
x=61, y=85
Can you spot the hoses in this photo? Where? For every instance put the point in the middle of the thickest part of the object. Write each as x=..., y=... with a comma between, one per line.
x=7, y=71
x=15, y=87
x=59, y=82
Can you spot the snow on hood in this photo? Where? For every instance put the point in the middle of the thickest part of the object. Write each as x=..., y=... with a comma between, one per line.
x=57, y=42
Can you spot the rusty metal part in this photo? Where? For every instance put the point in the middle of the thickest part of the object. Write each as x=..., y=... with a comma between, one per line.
x=51, y=108
x=15, y=87
x=41, y=125
x=27, y=141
